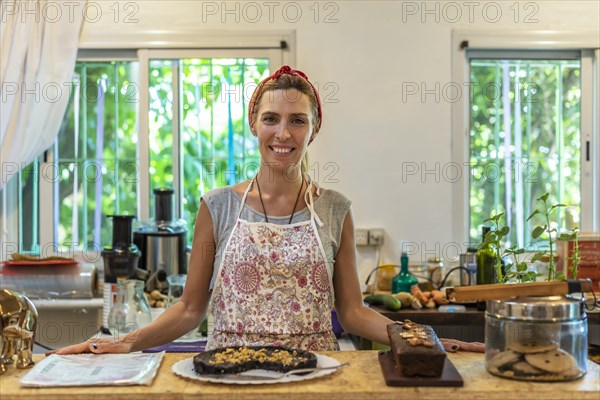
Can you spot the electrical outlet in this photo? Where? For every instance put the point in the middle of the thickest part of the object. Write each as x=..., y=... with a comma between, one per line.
x=376, y=237
x=361, y=237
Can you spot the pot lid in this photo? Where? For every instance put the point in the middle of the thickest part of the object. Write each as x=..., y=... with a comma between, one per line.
x=530, y=308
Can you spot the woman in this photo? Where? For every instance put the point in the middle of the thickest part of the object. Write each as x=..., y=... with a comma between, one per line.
x=277, y=251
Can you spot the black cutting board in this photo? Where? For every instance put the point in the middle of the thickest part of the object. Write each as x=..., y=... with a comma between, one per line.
x=393, y=376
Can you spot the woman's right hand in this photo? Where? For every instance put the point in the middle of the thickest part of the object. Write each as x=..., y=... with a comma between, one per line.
x=97, y=346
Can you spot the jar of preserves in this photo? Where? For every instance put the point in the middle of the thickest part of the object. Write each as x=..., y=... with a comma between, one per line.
x=536, y=338
x=385, y=274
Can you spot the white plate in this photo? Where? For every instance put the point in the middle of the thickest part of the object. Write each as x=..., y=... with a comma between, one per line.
x=185, y=368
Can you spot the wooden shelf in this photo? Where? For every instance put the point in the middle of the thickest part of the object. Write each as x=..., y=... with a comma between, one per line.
x=472, y=317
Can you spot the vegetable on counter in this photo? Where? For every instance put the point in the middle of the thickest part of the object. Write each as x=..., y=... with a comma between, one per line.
x=408, y=300
x=386, y=300
x=415, y=290
x=439, y=297
x=156, y=299
x=417, y=299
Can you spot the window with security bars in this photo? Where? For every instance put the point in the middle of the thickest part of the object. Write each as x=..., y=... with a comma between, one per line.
x=525, y=140
x=197, y=108
x=95, y=154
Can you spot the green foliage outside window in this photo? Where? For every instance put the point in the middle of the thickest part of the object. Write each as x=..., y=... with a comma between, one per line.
x=525, y=141
x=217, y=148
x=96, y=162
x=97, y=165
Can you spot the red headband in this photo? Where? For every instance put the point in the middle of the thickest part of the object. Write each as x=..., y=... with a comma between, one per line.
x=285, y=70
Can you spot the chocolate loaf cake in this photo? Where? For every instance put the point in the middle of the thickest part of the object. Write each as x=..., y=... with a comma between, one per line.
x=232, y=360
x=416, y=349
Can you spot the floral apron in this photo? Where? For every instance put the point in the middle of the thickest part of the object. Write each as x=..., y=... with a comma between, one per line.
x=274, y=286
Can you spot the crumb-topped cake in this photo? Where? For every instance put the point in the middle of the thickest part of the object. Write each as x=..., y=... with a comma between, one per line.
x=416, y=349
x=232, y=360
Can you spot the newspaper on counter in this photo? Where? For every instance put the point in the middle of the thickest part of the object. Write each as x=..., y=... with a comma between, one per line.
x=94, y=370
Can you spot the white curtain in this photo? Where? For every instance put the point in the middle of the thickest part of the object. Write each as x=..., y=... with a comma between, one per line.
x=39, y=41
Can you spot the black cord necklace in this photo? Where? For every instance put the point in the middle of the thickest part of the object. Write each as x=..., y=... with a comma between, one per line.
x=295, y=204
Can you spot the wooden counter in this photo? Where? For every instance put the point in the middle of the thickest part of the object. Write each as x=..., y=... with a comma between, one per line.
x=361, y=380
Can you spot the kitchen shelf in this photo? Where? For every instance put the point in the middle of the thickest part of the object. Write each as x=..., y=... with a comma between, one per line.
x=472, y=317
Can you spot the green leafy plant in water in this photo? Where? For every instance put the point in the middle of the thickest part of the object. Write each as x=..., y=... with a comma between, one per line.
x=494, y=239
x=516, y=269
x=519, y=273
x=575, y=258
x=539, y=230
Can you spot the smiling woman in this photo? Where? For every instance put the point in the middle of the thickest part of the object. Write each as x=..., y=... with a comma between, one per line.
x=276, y=253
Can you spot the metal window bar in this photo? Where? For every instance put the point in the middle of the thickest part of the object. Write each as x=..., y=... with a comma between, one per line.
x=212, y=131
x=176, y=124
x=506, y=106
x=497, y=138
x=559, y=138
x=230, y=142
x=527, y=182
x=202, y=156
x=116, y=138
x=100, y=114
x=80, y=117
x=244, y=132
x=517, y=160
x=28, y=177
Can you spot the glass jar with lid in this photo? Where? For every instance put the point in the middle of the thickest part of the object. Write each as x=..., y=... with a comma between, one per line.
x=536, y=338
x=385, y=274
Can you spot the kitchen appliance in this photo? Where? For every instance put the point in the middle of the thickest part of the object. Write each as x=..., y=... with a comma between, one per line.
x=163, y=240
x=120, y=262
x=468, y=260
x=66, y=296
x=56, y=281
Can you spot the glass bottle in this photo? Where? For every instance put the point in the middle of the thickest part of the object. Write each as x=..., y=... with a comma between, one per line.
x=131, y=310
x=404, y=280
x=486, y=261
x=176, y=286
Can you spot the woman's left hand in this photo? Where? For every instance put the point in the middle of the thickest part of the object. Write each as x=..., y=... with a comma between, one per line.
x=96, y=346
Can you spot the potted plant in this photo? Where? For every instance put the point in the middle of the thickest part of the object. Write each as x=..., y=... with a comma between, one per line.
x=516, y=268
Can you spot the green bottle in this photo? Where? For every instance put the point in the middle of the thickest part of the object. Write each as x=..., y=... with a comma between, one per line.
x=404, y=280
x=486, y=261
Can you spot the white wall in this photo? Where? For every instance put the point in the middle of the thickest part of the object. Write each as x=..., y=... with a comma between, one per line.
x=369, y=53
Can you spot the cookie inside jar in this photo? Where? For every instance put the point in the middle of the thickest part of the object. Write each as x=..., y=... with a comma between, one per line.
x=536, y=339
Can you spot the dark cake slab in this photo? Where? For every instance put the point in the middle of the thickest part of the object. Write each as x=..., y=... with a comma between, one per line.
x=416, y=359
x=301, y=359
x=393, y=376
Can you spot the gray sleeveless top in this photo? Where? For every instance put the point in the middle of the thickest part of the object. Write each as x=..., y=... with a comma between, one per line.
x=224, y=204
